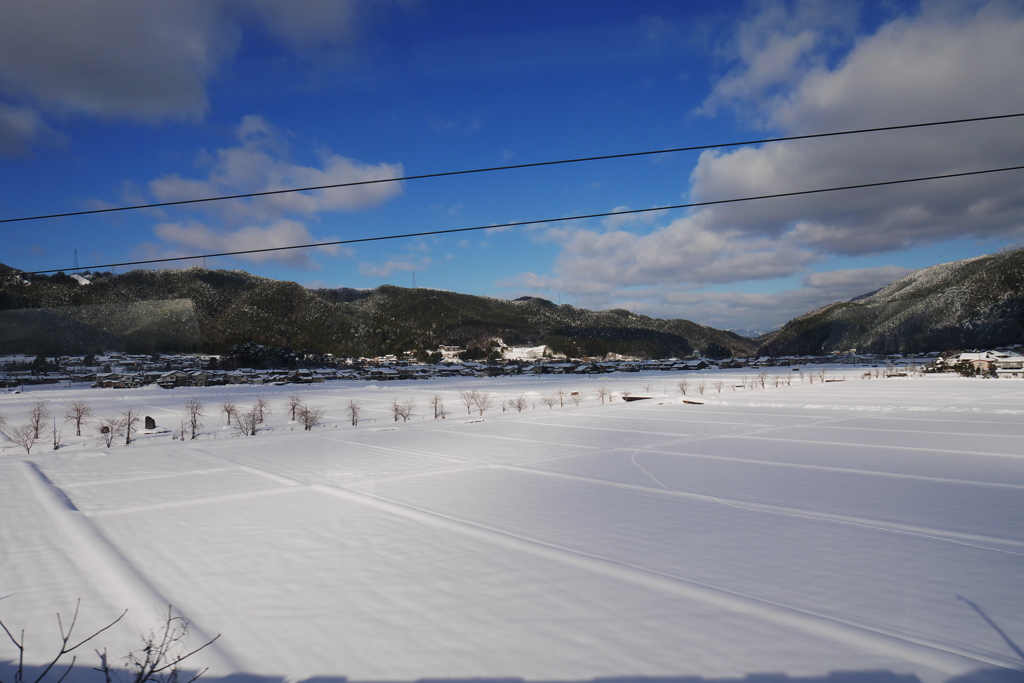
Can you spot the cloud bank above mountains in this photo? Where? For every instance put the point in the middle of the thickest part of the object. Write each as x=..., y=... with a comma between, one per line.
x=376, y=89
x=793, y=69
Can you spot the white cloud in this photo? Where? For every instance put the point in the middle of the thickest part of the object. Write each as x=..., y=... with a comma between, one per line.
x=259, y=163
x=115, y=58
x=392, y=266
x=21, y=127
x=152, y=61
x=773, y=48
x=685, y=250
x=192, y=237
x=724, y=310
x=635, y=219
x=952, y=60
x=798, y=70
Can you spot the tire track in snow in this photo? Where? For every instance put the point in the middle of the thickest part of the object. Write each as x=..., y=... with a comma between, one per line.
x=790, y=511
x=923, y=431
x=141, y=478
x=935, y=656
x=189, y=502
x=869, y=445
x=846, y=470
x=102, y=561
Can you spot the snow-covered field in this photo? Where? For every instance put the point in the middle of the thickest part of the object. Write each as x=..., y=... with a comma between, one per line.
x=868, y=525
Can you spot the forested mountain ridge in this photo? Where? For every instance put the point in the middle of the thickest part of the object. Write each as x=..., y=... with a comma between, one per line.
x=974, y=303
x=195, y=309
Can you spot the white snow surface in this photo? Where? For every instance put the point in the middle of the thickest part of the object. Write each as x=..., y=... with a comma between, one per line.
x=872, y=526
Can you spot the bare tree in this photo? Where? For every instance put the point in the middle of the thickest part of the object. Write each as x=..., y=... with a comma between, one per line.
x=129, y=419
x=194, y=409
x=683, y=386
x=109, y=427
x=518, y=403
x=354, y=412
x=181, y=432
x=483, y=401
x=228, y=408
x=247, y=422
x=161, y=655
x=468, y=399
x=261, y=408
x=159, y=659
x=561, y=398
x=57, y=435
x=37, y=418
x=762, y=379
x=701, y=387
x=293, y=404
x=438, y=405
x=549, y=400
x=718, y=385
x=405, y=409
x=310, y=416
x=576, y=398
x=396, y=409
x=78, y=412
x=65, y=646
x=821, y=374
x=602, y=394
x=24, y=436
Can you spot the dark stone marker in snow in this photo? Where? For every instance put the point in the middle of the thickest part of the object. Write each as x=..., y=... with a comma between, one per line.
x=150, y=423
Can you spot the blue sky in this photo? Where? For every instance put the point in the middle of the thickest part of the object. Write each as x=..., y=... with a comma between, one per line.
x=114, y=102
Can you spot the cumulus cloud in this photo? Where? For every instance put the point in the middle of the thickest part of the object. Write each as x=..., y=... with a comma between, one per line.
x=722, y=309
x=391, y=266
x=951, y=60
x=20, y=128
x=686, y=250
x=115, y=58
x=150, y=61
x=193, y=237
x=770, y=51
x=797, y=69
x=260, y=163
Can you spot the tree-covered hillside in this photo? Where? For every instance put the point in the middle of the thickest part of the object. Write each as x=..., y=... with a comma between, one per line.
x=975, y=303
x=196, y=309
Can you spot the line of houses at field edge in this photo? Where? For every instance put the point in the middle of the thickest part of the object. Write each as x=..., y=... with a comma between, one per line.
x=990, y=363
x=192, y=370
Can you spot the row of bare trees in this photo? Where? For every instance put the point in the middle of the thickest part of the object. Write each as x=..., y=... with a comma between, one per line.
x=40, y=421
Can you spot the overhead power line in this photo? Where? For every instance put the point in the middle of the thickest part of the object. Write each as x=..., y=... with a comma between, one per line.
x=442, y=174
x=545, y=220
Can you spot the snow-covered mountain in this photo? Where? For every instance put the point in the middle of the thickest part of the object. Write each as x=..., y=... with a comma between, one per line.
x=977, y=302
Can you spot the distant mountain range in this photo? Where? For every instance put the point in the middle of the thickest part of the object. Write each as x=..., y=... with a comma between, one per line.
x=975, y=303
x=195, y=309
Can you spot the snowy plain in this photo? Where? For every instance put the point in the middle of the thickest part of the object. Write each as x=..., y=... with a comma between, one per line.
x=868, y=526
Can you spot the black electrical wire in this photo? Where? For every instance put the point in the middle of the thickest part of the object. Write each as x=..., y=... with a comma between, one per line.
x=536, y=164
x=545, y=220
